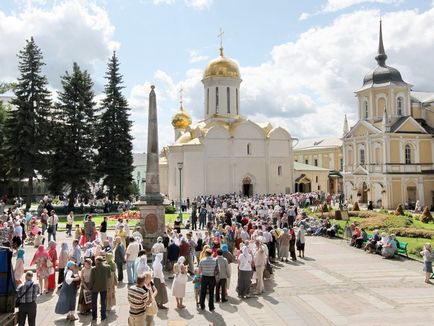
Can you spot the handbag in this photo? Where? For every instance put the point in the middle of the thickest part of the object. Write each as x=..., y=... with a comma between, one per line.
x=18, y=302
x=152, y=309
x=87, y=294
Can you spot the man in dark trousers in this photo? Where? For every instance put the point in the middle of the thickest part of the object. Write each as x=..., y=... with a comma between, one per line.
x=27, y=294
x=99, y=277
x=207, y=268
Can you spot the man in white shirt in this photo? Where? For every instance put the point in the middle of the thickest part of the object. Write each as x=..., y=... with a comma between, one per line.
x=69, y=223
x=130, y=256
x=52, y=225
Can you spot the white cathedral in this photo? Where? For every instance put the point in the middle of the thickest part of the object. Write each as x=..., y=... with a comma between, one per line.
x=225, y=152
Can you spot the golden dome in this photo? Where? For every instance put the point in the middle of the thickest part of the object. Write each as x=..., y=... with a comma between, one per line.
x=181, y=119
x=222, y=67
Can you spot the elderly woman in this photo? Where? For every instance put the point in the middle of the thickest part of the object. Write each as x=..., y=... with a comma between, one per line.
x=388, y=250
x=301, y=241
x=180, y=281
x=52, y=256
x=19, y=266
x=40, y=259
x=383, y=241
x=142, y=263
x=84, y=306
x=284, y=239
x=67, y=297
x=428, y=257
x=244, y=272
x=159, y=282
x=260, y=260
x=112, y=282
x=372, y=243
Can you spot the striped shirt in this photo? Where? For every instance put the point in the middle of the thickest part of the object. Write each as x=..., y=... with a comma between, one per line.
x=137, y=298
x=207, y=266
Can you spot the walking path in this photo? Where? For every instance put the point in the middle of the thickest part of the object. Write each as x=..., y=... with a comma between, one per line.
x=334, y=285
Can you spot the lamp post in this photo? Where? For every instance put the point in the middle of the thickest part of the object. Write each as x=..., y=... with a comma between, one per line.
x=180, y=165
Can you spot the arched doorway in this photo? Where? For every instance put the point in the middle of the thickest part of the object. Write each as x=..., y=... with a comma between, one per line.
x=364, y=198
x=303, y=184
x=247, y=187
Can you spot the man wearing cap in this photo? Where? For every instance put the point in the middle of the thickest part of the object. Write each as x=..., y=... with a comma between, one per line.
x=26, y=294
x=99, y=278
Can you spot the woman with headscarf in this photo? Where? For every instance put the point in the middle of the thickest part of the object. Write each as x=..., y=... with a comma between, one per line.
x=40, y=259
x=83, y=307
x=68, y=293
x=19, y=266
x=88, y=252
x=112, y=282
x=230, y=258
x=63, y=259
x=284, y=245
x=52, y=256
x=244, y=272
x=301, y=240
x=142, y=263
x=159, y=282
x=180, y=281
x=389, y=249
x=292, y=244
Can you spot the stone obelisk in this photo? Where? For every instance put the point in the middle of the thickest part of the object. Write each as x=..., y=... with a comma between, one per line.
x=151, y=204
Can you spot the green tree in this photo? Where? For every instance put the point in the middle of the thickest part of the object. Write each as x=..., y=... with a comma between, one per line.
x=3, y=155
x=26, y=125
x=74, y=158
x=115, y=158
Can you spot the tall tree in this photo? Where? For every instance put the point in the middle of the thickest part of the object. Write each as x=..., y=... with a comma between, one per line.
x=3, y=155
x=26, y=124
x=73, y=163
x=115, y=158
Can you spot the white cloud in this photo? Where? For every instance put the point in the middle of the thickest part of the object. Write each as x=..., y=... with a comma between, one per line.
x=336, y=5
x=197, y=4
x=196, y=57
x=70, y=31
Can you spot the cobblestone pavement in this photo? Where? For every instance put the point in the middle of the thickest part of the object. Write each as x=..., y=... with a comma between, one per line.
x=334, y=285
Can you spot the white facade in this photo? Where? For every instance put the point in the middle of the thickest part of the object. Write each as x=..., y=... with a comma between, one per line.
x=227, y=153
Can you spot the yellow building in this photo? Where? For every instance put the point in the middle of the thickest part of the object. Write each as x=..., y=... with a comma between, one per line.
x=389, y=152
x=310, y=178
x=324, y=153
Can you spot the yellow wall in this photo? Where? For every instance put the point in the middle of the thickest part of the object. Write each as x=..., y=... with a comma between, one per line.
x=425, y=151
x=396, y=193
x=429, y=191
x=394, y=151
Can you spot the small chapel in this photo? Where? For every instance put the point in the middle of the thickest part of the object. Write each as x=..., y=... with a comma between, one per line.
x=225, y=152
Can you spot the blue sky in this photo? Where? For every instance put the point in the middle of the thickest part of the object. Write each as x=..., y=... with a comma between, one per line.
x=300, y=61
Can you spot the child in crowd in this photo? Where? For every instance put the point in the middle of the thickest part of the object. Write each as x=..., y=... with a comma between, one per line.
x=39, y=239
x=197, y=279
x=77, y=232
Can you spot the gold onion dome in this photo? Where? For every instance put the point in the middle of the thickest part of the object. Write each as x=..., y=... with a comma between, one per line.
x=222, y=67
x=181, y=119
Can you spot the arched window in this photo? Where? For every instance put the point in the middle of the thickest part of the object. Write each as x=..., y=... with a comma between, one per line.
x=407, y=154
x=228, y=97
x=236, y=100
x=279, y=170
x=362, y=156
x=207, y=101
x=399, y=105
x=216, y=100
x=249, y=149
x=365, y=110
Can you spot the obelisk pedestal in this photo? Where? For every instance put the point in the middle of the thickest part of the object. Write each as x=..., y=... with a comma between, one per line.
x=152, y=214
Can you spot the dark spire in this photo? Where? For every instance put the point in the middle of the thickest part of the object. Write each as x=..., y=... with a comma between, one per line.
x=381, y=56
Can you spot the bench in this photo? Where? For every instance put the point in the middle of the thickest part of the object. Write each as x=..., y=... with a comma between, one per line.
x=401, y=247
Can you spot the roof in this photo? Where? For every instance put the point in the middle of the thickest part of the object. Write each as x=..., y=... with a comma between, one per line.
x=139, y=159
x=398, y=123
x=422, y=97
x=315, y=143
x=307, y=167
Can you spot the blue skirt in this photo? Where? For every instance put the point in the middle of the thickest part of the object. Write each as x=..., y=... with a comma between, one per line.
x=427, y=266
x=67, y=298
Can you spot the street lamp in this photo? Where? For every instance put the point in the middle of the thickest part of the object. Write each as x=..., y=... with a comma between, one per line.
x=180, y=165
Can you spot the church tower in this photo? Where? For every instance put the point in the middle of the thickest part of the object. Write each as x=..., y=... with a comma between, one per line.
x=221, y=81
x=181, y=121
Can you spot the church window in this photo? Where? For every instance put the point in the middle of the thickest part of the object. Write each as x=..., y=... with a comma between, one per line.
x=316, y=162
x=207, y=101
x=228, y=97
x=306, y=161
x=365, y=110
x=216, y=100
x=407, y=154
x=319, y=187
x=399, y=106
x=362, y=156
x=236, y=99
x=316, y=179
x=279, y=170
x=341, y=164
x=249, y=149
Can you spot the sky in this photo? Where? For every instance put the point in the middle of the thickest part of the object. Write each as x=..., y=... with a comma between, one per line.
x=300, y=61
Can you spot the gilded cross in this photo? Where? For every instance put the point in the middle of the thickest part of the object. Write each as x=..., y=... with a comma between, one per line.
x=221, y=37
x=181, y=91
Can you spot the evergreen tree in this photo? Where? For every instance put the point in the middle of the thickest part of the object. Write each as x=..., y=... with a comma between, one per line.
x=74, y=158
x=115, y=159
x=3, y=155
x=26, y=124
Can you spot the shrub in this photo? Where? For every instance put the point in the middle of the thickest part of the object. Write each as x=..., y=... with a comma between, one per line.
x=356, y=206
x=169, y=209
x=399, y=210
x=412, y=233
x=426, y=216
x=324, y=208
x=416, y=251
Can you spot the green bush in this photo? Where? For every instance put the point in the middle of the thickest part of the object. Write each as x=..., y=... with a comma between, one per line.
x=169, y=209
x=412, y=233
x=416, y=251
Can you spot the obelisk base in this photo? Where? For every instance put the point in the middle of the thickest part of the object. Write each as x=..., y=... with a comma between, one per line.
x=152, y=222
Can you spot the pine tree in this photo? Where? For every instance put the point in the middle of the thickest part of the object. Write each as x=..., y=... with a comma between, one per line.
x=3, y=155
x=115, y=159
x=26, y=125
x=74, y=158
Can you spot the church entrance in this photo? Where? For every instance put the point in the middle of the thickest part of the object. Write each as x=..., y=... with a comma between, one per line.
x=247, y=187
x=303, y=184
